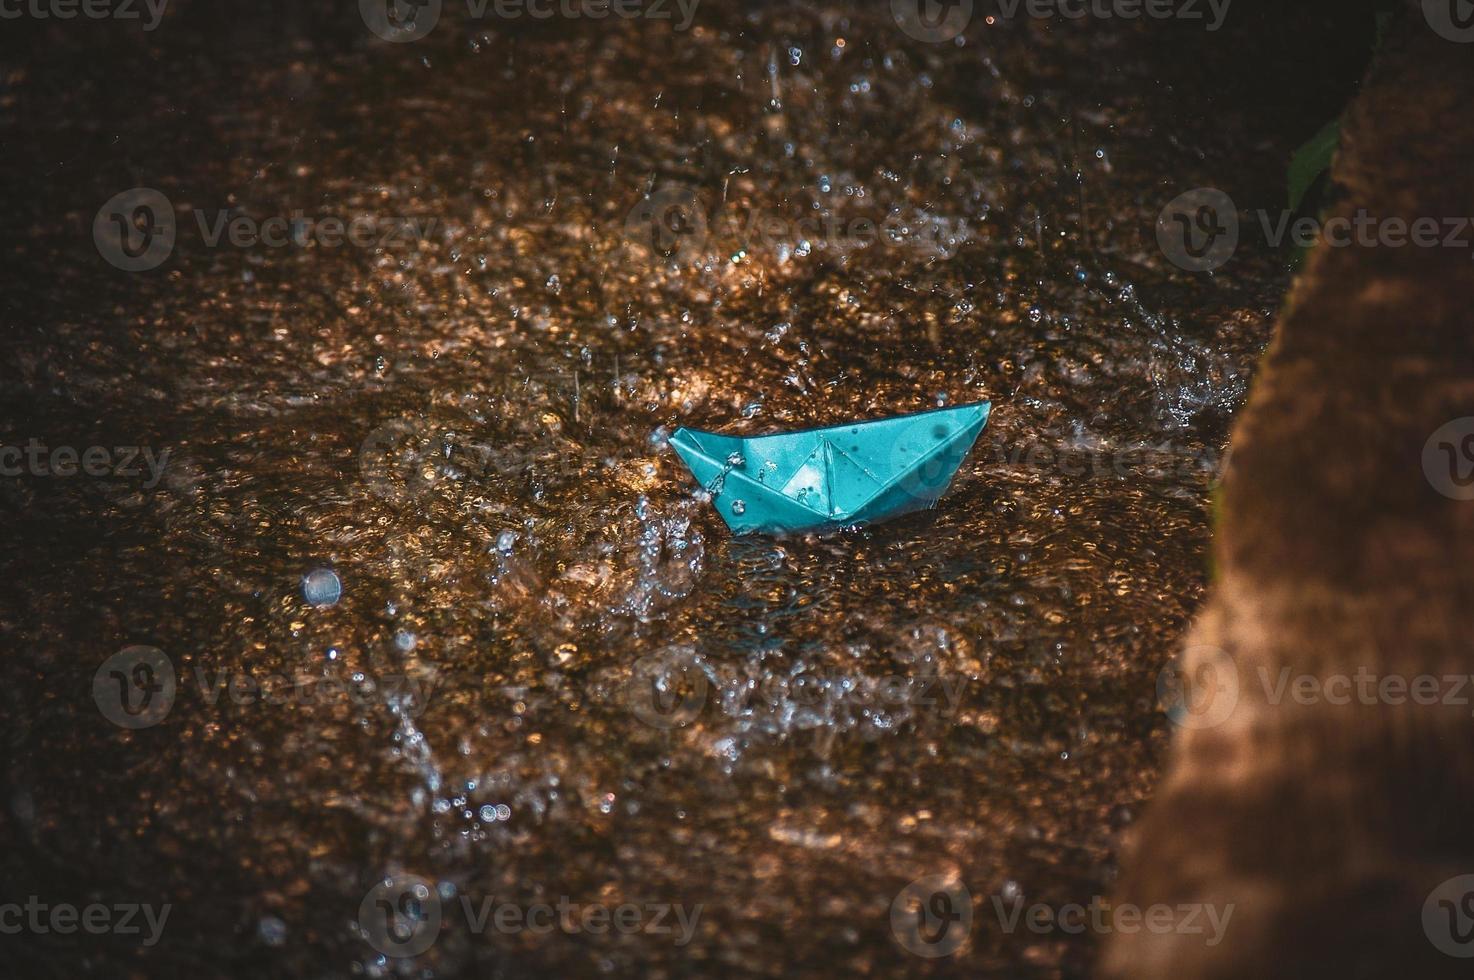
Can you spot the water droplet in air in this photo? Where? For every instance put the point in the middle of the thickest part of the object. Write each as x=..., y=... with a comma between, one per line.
x=320, y=587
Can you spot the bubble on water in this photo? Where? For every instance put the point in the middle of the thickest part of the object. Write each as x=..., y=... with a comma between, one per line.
x=739, y=507
x=503, y=812
x=405, y=640
x=321, y=587
x=505, y=540
x=273, y=931
x=488, y=813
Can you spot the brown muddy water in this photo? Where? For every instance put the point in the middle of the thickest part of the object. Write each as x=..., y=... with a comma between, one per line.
x=550, y=675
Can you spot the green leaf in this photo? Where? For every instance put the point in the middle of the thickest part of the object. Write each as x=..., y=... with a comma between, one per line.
x=1312, y=160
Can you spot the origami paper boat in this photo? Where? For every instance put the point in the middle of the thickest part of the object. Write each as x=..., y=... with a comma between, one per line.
x=832, y=477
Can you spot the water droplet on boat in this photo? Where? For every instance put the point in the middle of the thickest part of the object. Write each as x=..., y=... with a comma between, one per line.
x=736, y=460
x=739, y=507
x=320, y=587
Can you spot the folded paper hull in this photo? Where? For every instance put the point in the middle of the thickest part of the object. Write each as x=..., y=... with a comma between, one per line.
x=836, y=476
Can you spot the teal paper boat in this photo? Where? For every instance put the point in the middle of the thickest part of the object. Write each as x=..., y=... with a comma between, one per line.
x=832, y=477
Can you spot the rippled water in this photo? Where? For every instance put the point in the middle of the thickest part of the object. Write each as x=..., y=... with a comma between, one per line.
x=549, y=670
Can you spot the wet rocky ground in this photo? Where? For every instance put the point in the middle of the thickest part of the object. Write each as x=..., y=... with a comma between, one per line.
x=441, y=610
